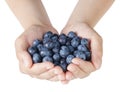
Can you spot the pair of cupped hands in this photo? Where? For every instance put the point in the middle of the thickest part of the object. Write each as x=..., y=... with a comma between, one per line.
x=77, y=69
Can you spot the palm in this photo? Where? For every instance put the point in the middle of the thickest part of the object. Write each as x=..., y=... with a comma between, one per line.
x=80, y=69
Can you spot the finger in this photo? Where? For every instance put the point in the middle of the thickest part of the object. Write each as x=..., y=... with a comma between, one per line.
x=69, y=76
x=55, y=78
x=96, y=48
x=76, y=71
x=37, y=69
x=51, y=73
x=61, y=76
x=65, y=82
x=86, y=66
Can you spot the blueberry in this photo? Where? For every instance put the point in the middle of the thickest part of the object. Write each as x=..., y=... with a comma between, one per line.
x=63, y=65
x=49, y=45
x=32, y=50
x=82, y=48
x=45, y=40
x=64, y=52
x=56, y=63
x=47, y=59
x=69, y=59
x=68, y=41
x=36, y=42
x=88, y=56
x=55, y=37
x=71, y=48
x=36, y=58
x=44, y=53
x=39, y=47
x=55, y=50
x=63, y=39
x=57, y=45
x=48, y=34
x=84, y=41
x=81, y=55
x=71, y=34
x=75, y=42
x=56, y=57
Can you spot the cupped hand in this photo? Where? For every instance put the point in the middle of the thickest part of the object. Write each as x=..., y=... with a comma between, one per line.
x=44, y=70
x=79, y=68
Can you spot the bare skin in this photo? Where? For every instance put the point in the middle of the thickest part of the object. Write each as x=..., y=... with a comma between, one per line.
x=34, y=19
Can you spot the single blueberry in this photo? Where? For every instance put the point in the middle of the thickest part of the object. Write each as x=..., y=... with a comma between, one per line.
x=36, y=58
x=45, y=40
x=63, y=65
x=62, y=39
x=57, y=44
x=48, y=34
x=69, y=59
x=71, y=34
x=56, y=50
x=88, y=55
x=47, y=59
x=82, y=48
x=36, y=42
x=44, y=53
x=55, y=37
x=81, y=55
x=64, y=52
x=32, y=50
x=84, y=41
x=56, y=57
x=75, y=42
x=49, y=45
x=71, y=48
x=39, y=47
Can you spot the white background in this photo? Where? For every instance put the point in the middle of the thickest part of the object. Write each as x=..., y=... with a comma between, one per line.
x=107, y=79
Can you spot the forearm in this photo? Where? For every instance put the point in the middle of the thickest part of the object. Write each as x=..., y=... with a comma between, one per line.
x=29, y=12
x=89, y=11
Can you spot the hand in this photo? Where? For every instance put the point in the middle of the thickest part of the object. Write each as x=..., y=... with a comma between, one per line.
x=79, y=68
x=40, y=70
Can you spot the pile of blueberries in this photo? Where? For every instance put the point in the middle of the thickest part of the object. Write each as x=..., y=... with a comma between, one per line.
x=59, y=49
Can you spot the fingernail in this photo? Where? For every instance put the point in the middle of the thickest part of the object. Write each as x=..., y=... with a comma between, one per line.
x=76, y=62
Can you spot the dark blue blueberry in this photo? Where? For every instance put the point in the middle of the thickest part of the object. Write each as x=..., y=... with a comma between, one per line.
x=32, y=50
x=71, y=34
x=75, y=52
x=81, y=55
x=57, y=44
x=84, y=41
x=63, y=39
x=55, y=50
x=55, y=37
x=36, y=58
x=75, y=42
x=45, y=40
x=44, y=53
x=64, y=52
x=36, y=42
x=63, y=65
x=47, y=59
x=48, y=34
x=39, y=47
x=71, y=48
x=69, y=59
x=49, y=45
x=56, y=57
x=82, y=48
x=88, y=56
x=56, y=63
x=68, y=41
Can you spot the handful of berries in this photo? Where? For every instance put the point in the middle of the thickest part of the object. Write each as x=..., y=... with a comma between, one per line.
x=59, y=49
